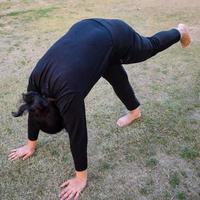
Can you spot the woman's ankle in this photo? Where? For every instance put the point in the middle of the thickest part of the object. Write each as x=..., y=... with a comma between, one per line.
x=135, y=111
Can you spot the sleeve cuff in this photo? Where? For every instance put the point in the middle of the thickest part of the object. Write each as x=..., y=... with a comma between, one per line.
x=81, y=163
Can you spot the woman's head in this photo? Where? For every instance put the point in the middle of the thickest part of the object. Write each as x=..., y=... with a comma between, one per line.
x=43, y=110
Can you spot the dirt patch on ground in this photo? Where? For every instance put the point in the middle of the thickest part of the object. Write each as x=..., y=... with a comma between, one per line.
x=189, y=177
x=195, y=33
x=196, y=115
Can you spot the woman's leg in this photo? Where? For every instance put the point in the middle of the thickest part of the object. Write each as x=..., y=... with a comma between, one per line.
x=143, y=48
x=117, y=77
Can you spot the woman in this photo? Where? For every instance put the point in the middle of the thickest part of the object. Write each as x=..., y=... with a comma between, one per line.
x=91, y=49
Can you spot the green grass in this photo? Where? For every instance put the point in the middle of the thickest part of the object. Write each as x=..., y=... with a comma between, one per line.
x=34, y=12
x=188, y=153
x=181, y=196
x=174, y=180
x=157, y=157
x=151, y=162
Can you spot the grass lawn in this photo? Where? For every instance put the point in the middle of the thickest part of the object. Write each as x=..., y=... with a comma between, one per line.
x=157, y=157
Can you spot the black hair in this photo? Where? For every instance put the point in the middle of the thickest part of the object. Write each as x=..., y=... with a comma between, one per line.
x=43, y=110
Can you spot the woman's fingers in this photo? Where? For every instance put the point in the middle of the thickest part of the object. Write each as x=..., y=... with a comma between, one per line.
x=26, y=156
x=76, y=196
x=13, y=150
x=65, y=184
x=68, y=195
x=21, y=152
x=64, y=190
x=11, y=154
x=15, y=157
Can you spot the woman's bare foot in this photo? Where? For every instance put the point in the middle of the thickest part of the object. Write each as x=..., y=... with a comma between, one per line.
x=185, y=36
x=72, y=188
x=129, y=118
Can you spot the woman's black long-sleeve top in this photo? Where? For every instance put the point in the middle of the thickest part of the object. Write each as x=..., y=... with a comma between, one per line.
x=69, y=70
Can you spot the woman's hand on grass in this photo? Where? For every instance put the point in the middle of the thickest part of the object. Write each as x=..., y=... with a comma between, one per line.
x=23, y=152
x=72, y=188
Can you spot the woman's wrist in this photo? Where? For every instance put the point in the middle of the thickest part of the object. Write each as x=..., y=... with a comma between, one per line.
x=81, y=174
x=32, y=144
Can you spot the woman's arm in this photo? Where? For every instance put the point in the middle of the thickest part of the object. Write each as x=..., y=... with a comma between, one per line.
x=27, y=150
x=72, y=110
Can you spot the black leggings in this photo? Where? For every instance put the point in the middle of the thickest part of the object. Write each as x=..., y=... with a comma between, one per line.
x=141, y=49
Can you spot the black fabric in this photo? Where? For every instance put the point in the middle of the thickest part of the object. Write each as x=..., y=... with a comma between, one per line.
x=90, y=49
x=67, y=72
x=117, y=77
x=33, y=128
